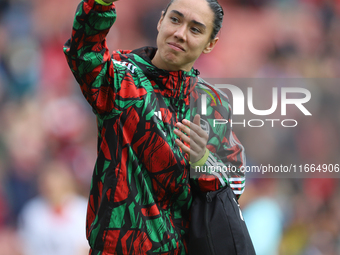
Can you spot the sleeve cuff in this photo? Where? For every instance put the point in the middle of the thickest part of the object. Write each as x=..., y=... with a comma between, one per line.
x=202, y=161
x=101, y=2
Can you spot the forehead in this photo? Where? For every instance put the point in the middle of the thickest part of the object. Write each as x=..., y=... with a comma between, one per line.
x=198, y=10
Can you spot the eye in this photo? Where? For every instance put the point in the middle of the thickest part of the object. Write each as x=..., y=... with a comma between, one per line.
x=174, y=19
x=195, y=30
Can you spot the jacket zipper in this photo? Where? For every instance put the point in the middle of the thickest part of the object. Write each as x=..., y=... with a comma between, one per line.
x=181, y=101
x=209, y=199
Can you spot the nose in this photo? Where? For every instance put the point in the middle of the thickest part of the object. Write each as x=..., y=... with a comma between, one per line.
x=180, y=33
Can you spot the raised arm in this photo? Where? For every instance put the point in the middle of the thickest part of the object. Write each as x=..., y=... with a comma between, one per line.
x=88, y=55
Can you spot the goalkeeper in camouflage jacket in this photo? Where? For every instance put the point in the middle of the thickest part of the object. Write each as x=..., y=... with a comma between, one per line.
x=147, y=104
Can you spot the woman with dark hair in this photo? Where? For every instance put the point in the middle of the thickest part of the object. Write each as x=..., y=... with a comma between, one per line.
x=141, y=190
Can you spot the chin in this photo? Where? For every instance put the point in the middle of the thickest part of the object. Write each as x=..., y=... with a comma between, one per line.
x=170, y=62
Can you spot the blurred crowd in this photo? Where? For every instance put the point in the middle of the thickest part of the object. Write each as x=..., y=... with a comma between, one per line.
x=48, y=132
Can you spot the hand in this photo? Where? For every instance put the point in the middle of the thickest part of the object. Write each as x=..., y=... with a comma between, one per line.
x=194, y=136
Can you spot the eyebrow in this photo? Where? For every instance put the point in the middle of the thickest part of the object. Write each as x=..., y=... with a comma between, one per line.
x=193, y=21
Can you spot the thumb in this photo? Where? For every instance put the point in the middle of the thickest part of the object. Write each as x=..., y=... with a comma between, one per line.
x=197, y=119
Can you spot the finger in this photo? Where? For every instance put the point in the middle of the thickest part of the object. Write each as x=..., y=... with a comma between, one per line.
x=197, y=119
x=193, y=144
x=183, y=128
x=185, y=148
x=191, y=132
x=199, y=131
x=196, y=127
x=181, y=135
x=198, y=141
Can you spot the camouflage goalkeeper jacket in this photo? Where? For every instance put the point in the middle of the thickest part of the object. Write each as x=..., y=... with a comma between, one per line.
x=140, y=193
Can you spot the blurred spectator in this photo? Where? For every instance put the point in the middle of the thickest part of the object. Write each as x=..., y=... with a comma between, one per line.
x=24, y=140
x=263, y=216
x=53, y=222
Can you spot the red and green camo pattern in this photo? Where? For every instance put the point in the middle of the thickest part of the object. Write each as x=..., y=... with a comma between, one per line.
x=140, y=193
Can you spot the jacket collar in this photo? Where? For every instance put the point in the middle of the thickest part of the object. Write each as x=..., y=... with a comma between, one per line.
x=176, y=84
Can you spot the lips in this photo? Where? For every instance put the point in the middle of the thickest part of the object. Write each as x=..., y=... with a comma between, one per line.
x=176, y=46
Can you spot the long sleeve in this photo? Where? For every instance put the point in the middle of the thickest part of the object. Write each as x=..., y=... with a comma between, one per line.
x=88, y=55
x=226, y=159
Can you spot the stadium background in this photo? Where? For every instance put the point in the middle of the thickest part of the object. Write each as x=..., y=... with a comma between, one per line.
x=46, y=125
